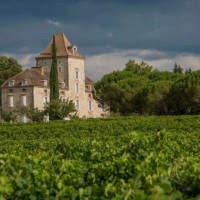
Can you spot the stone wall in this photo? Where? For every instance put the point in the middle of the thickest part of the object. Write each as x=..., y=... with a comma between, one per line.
x=17, y=96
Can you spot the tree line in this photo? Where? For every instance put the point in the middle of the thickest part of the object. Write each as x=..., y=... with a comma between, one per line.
x=138, y=89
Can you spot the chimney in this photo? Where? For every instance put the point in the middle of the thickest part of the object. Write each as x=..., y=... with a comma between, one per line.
x=40, y=69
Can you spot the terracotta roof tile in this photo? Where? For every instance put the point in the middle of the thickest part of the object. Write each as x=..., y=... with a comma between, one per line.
x=33, y=76
x=63, y=48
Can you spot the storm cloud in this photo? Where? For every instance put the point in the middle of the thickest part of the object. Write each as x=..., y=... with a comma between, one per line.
x=113, y=30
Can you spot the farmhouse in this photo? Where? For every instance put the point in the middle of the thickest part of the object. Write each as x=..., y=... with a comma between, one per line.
x=31, y=86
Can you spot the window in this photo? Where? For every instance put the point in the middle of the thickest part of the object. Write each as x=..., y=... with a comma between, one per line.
x=11, y=83
x=45, y=100
x=10, y=101
x=45, y=92
x=24, y=82
x=76, y=75
x=89, y=87
x=24, y=119
x=23, y=100
x=45, y=82
x=10, y=91
x=76, y=88
x=45, y=62
x=77, y=104
x=74, y=51
x=89, y=96
x=24, y=91
x=90, y=105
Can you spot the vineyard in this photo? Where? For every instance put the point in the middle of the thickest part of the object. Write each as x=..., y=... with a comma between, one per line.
x=142, y=158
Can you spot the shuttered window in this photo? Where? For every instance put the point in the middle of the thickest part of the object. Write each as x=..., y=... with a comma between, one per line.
x=23, y=100
x=10, y=101
x=90, y=108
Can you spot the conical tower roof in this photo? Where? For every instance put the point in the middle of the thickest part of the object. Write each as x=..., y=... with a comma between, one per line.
x=63, y=48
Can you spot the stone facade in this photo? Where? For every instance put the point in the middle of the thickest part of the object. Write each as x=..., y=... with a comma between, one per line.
x=74, y=85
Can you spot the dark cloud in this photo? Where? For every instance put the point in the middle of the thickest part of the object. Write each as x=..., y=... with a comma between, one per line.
x=101, y=26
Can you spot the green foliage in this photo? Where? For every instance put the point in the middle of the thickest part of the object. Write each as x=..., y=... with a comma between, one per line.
x=139, y=69
x=8, y=115
x=185, y=94
x=143, y=158
x=177, y=69
x=59, y=109
x=54, y=83
x=8, y=68
x=139, y=90
x=34, y=114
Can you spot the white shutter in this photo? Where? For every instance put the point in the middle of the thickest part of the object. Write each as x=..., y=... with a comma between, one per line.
x=76, y=88
x=10, y=101
x=90, y=105
x=23, y=100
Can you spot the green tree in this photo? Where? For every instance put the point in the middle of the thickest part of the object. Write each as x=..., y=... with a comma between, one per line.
x=54, y=83
x=184, y=96
x=137, y=89
x=139, y=69
x=8, y=116
x=8, y=68
x=187, y=71
x=59, y=109
x=34, y=114
x=177, y=69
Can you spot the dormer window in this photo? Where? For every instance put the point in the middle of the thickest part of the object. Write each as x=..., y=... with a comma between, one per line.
x=11, y=82
x=45, y=82
x=24, y=82
x=89, y=87
x=74, y=50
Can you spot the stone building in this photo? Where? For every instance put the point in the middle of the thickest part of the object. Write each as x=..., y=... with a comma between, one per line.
x=31, y=86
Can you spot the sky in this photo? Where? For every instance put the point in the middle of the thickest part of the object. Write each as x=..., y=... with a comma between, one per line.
x=107, y=32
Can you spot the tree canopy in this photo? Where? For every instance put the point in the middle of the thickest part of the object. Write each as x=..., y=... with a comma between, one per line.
x=8, y=68
x=138, y=89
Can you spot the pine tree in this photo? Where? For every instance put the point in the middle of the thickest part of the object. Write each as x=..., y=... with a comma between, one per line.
x=175, y=69
x=54, y=83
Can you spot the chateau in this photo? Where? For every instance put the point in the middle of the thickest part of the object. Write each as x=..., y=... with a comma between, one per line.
x=31, y=86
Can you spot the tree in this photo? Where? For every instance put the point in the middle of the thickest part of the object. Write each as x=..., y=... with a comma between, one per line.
x=139, y=69
x=8, y=116
x=185, y=95
x=59, y=109
x=31, y=112
x=177, y=69
x=8, y=68
x=54, y=83
x=137, y=89
x=187, y=71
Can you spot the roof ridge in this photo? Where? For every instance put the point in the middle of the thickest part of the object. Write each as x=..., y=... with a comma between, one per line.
x=64, y=41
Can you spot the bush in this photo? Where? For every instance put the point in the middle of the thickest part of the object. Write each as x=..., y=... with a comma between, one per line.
x=59, y=109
